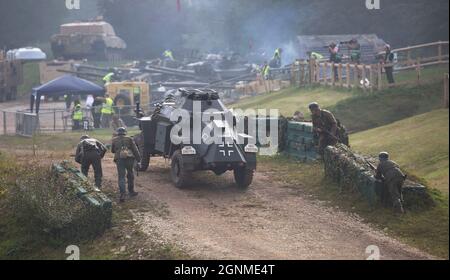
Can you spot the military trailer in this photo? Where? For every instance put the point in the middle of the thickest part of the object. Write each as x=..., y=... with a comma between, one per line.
x=92, y=40
x=229, y=155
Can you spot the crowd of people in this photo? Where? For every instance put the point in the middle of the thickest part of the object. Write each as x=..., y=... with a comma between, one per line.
x=98, y=113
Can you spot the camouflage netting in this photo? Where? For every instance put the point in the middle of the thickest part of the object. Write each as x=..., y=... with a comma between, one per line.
x=352, y=172
x=62, y=202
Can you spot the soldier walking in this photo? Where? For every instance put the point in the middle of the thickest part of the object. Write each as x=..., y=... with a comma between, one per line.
x=325, y=125
x=393, y=178
x=125, y=154
x=91, y=152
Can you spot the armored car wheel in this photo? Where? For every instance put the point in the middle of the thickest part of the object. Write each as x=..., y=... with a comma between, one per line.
x=177, y=171
x=243, y=177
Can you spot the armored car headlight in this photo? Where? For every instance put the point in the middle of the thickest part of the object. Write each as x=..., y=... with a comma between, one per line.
x=188, y=150
x=251, y=148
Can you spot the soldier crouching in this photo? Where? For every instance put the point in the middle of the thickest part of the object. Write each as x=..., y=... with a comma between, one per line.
x=91, y=152
x=393, y=178
x=325, y=125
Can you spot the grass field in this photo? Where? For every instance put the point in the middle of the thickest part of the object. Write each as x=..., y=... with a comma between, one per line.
x=427, y=230
x=56, y=142
x=364, y=112
x=420, y=144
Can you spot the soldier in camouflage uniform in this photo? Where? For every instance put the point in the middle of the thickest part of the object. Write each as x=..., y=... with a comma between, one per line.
x=393, y=178
x=89, y=152
x=325, y=126
x=125, y=154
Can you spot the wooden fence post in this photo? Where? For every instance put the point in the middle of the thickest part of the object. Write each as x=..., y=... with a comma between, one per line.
x=440, y=51
x=363, y=76
x=446, y=77
x=418, y=71
x=379, y=77
x=371, y=77
x=347, y=77
x=4, y=123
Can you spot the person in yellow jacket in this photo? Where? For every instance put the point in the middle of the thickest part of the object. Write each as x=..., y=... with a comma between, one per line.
x=108, y=78
x=77, y=117
x=107, y=111
x=265, y=71
x=168, y=54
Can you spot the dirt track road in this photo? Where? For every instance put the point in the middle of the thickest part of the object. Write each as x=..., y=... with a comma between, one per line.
x=213, y=219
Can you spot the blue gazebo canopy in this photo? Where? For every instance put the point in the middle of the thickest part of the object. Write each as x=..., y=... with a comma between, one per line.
x=63, y=85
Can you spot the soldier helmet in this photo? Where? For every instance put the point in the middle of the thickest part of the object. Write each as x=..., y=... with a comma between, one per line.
x=84, y=137
x=383, y=156
x=313, y=106
x=121, y=131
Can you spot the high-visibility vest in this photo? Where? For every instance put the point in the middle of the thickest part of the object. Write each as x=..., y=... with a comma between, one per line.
x=277, y=53
x=316, y=55
x=107, y=108
x=108, y=77
x=168, y=54
x=265, y=71
x=77, y=114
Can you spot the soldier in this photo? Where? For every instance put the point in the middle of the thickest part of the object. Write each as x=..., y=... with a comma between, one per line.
x=91, y=152
x=125, y=154
x=393, y=178
x=298, y=117
x=325, y=125
x=117, y=123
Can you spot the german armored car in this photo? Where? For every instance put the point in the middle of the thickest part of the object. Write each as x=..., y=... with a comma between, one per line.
x=187, y=155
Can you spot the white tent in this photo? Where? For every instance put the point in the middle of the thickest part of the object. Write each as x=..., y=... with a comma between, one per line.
x=28, y=53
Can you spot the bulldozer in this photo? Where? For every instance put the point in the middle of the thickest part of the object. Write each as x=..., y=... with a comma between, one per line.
x=126, y=95
x=95, y=40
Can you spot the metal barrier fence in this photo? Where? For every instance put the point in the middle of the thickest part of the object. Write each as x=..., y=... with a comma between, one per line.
x=25, y=123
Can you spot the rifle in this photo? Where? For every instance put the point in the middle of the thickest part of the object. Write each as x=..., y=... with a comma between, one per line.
x=136, y=168
x=329, y=134
x=370, y=164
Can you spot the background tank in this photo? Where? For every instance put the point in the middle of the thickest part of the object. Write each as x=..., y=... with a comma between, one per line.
x=92, y=40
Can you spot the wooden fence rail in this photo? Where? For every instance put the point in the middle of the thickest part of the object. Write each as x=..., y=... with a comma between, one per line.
x=369, y=76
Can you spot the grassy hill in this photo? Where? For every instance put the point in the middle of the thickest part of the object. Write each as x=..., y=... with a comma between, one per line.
x=372, y=110
x=356, y=109
x=292, y=99
x=419, y=144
